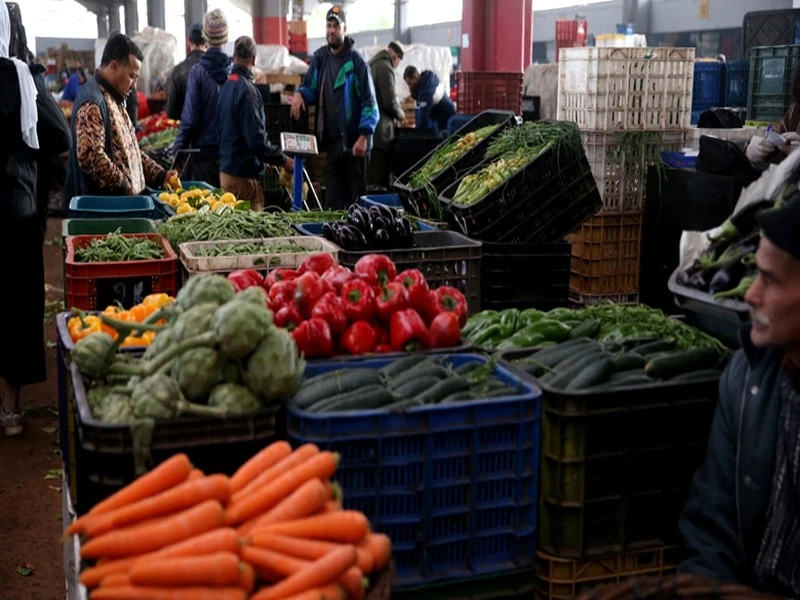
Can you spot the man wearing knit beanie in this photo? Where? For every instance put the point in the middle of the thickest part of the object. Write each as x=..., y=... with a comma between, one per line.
x=199, y=124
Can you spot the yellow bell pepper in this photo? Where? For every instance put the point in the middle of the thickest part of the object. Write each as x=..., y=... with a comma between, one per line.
x=80, y=327
x=157, y=301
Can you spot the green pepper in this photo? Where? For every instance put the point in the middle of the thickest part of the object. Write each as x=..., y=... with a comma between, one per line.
x=522, y=339
x=560, y=314
x=509, y=321
x=530, y=316
x=489, y=336
x=480, y=321
x=553, y=331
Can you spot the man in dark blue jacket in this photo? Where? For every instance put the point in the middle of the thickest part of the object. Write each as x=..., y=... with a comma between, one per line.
x=339, y=84
x=243, y=146
x=742, y=521
x=431, y=97
x=199, y=128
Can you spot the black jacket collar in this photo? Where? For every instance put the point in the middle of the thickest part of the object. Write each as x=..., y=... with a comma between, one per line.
x=109, y=88
x=242, y=71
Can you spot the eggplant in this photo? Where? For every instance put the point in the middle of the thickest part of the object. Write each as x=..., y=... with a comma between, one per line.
x=382, y=239
x=351, y=238
x=727, y=277
x=387, y=212
x=701, y=279
x=380, y=222
x=404, y=233
x=745, y=219
x=329, y=232
x=360, y=218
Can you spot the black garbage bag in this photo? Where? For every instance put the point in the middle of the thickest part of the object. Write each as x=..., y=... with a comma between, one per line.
x=719, y=118
x=721, y=157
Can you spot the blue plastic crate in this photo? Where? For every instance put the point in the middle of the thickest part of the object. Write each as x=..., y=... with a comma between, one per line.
x=456, y=122
x=678, y=160
x=734, y=86
x=455, y=486
x=707, y=90
x=112, y=207
x=383, y=199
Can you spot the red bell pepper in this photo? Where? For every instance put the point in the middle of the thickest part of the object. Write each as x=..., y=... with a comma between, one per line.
x=319, y=263
x=408, y=332
x=359, y=301
x=282, y=294
x=382, y=348
x=330, y=308
x=313, y=338
x=279, y=275
x=288, y=317
x=419, y=296
x=360, y=338
x=393, y=298
x=449, y=299
x=310, y=288
x=337, y=276
x=382, y=333
x=245, y=278
x=376, y=269
x=445, y=330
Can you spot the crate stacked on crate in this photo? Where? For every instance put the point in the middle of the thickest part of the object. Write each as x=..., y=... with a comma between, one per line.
x=488, y=90
x=571, y=33
x=298, y=40
x=631, y=104
x=707, y=88
x=772, y=69
x=736, y=78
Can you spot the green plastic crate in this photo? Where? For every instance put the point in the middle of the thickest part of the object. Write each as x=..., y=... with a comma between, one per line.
x=770, y=91
x=101, y=226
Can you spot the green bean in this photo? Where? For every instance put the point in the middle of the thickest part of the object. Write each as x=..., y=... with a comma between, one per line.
x=116, y=247
x=229, y=225
x=246, y=249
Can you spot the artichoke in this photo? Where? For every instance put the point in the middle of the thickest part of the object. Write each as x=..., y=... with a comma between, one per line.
x=254, y=294
x=161, y=342
x=206, y=287
x=195, y=321
x=159, y=397
x=96, y=395
x=93, y=354
x=240, y=326
x=234, y=399
x=197, y=371
x=275, y=370
x=115, y=409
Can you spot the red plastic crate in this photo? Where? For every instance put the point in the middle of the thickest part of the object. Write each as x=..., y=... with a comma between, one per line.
x=93, y=286
x=484, y=90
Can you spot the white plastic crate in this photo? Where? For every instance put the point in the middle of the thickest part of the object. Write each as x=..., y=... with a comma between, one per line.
x=582, y=299
x=741, y=137
x=614, y=89
x=622, y=176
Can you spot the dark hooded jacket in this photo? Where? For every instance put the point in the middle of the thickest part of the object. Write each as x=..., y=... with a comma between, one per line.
x=199, y=127
x=383, y=77
x=433, y=107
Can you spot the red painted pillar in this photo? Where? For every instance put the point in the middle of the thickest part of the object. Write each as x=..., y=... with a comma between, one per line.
x=269, y=22
x=473, y=34
x=499, y=33
x=527, y=57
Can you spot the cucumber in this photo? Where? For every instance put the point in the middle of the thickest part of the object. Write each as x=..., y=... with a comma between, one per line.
x=567, y=374
x=628, y=361
x=402, y=364
x=423, y=369
x=337, y=383
x=349, y=399
x=541, y=362
x=589, y=328
x=547, y=344
x=577, y=355
x=622, y=375
x=416, y=386
x=468, y=367
x=442, y=389
x=459, y=397
x=502, y=392
x=653, y=347
x=596, y=373
x=326, y=376
x=492, y=384
x=677, y=363
x=402, y=405
x=630, y=381
x=700, y=375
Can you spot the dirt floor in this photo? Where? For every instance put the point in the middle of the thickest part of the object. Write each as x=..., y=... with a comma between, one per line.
x=30, y=470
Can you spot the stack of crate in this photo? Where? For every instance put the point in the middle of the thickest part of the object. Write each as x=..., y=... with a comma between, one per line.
x=630, y=104
x=571, y=34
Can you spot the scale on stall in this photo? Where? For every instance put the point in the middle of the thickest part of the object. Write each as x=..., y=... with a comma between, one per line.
x=298, y=146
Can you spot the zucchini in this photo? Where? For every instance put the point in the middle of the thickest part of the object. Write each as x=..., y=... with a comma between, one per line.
x=468, y=367
x=416, y=386
x=337, y=383
x=677, y=363
x=373, y=396
x=577, y=354
x=402, y=364
x=653, y=347
x=442, y=389
x=402, y=405
x=502, y=392
x=630, y=381
x=566, y=374
x=628, y=361
x=423, y=369
x=541, y=362
x=326, y=377
x=622, y=375
x=596, y=373
x=459, y=397
x=492, y=383
x=700, y=375
x=589, y=328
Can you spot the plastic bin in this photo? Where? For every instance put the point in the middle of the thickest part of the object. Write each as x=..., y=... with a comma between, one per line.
x=769, y=28
x=578, y=299
x=679, y=160
x=610, y=89
x=542, y=202
x=770, y=86
x=408, y=146
x=736, y=75
x=485, y=90
x=563, y=579
x=525, y=275
x=112, y=207
x=93, y=286
x=454, y=486
x=617, y=465
x=104, y=226
x=416, y=200
x=707, y=89
x=722, y=318
x=165, y=209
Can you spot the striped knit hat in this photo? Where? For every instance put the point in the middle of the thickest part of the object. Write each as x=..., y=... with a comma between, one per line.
x=215, y=27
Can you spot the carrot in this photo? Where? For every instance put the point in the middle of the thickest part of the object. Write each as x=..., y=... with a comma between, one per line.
x=299, y=456
x=328, y=568
x=321, y=466
x=116, y=580
x=345, y=526
x=218, y=569
x=247, y=577
x=93, y=576
x=307, y=549
x=262, y=461
x=306, y=500
x=380, y=548
x=168, y=474
x=331, y=506
x=354, y=583
x=329, y=592
x=196, y=474
x=147, y=538
x=182, y=496
x=276, y=564
x=180, y=593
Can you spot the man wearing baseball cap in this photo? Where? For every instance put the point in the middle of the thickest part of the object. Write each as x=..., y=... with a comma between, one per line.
x=339, y=84
x=742, y=521
x=180, y=74
x=382, y=66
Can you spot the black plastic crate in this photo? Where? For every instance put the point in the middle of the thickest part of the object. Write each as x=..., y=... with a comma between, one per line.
x=416, y=200
x=103, y=461
x=768, y=28
x=525, y=275
x=770, y=88
x=408, y=149
x=542, y=202
x=616, y=466
x=444, y=257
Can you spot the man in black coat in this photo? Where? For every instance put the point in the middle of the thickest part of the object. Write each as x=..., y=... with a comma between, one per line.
x=180, y=74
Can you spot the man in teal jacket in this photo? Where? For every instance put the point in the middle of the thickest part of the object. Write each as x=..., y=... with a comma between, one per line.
x=339, y=84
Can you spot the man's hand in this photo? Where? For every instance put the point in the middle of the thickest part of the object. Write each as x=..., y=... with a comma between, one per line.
x=789, y=147
x=298, y=105
x=360, y=147
x=168, y=177
x=759, y=149
x=288, y=164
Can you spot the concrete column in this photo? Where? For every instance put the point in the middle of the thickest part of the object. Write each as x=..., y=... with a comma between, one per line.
x=131, y=17
x=269, y=22
x=156, y=14
x=102, y=24
x=194, y=11
x=402, y=33
x=113, y=19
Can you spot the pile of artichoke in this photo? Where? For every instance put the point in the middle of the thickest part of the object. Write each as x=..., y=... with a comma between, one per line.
x=219, y=354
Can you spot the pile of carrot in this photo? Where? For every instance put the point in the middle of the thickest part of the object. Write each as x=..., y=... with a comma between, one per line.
x=274, y=530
